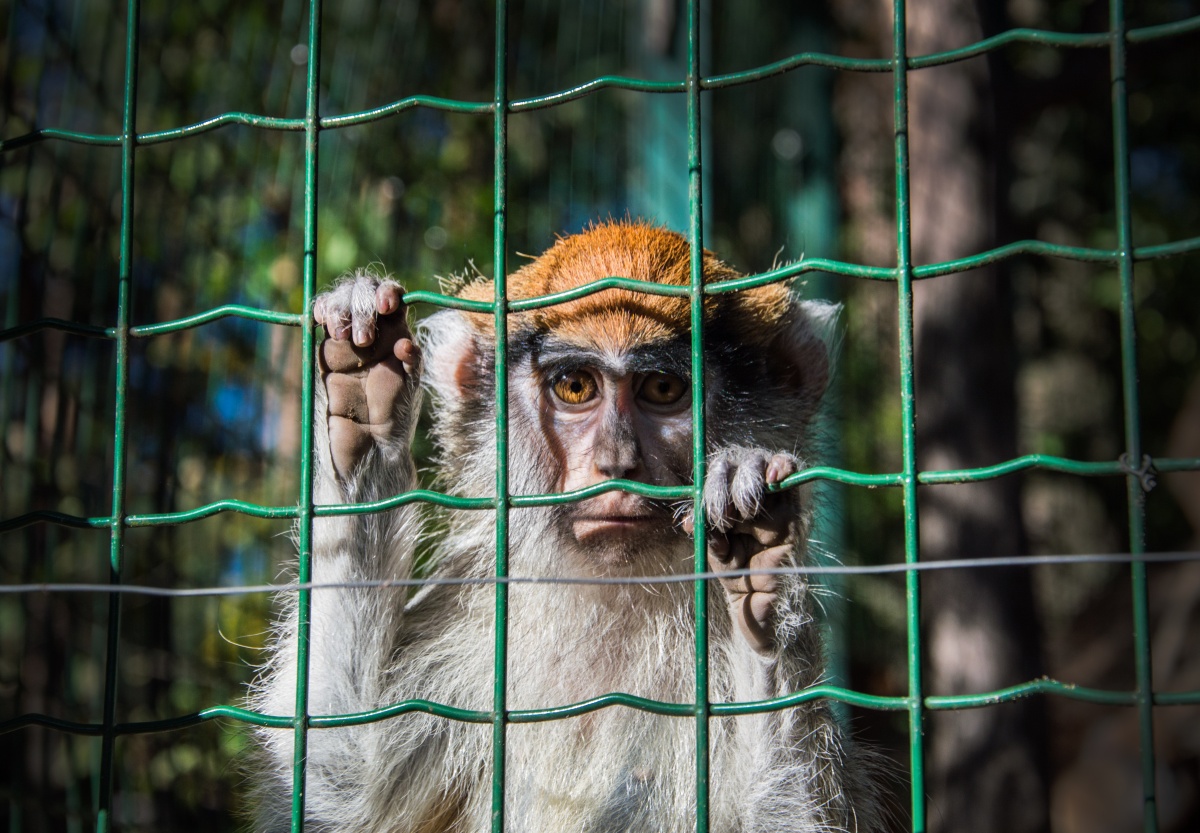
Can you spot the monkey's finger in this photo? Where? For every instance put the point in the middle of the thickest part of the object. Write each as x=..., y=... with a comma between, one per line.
x=364, y=332
x=409, y=355
x=772, y=558
x=729, y=552
x=740, y=585
x=719, y=552
x=363, y=303
x=343, y=356
x=749, y=484
x=393, y=328
x=740, y=558
x=383, y=386
x=337, y=322
x=781, y=467
x=768, y=528
x=347, y=398
x=718, y=504
x=389, y=297
x=755, y=614
x=330, y=316
x=765, y=583
x=368, y=400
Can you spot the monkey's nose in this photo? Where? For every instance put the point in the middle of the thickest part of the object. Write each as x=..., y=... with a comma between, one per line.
x=618, y=461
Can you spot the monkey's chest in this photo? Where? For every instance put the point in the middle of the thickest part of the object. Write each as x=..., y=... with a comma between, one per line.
x=617, y=769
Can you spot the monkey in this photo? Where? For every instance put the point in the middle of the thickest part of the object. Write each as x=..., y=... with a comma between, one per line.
x=599, y=389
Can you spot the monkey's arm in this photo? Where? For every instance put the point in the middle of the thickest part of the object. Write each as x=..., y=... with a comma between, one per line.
x=367, y=406
x=367, y=400
x=793, y=762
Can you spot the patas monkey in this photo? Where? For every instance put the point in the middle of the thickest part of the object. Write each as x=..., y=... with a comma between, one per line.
x=599, y=389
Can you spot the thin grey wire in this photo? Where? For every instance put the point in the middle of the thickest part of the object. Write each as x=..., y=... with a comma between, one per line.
x=813, y=570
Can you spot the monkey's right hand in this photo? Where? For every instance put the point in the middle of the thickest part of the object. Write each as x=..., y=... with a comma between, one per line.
x=369, y=365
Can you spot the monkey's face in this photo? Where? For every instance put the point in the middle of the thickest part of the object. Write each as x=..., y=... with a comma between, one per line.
x=610, y=417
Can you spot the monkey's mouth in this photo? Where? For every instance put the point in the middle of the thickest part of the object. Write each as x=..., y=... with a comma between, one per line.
x=593, y=525
x=618, y=517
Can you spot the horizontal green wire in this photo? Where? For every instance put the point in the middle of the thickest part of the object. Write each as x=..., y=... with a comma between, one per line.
x=1039, y=37
x=801, y=267
x=331, y=721
x=242, y=507
x=1163, y=30
x=1042, y=462
x=615, y=698
x=413, y=496
x=456, y=502
x=1045, y=462
x=1019, y=692
x=871, y=481
x=57, y=518
x=1047, y=687
x=1177, y=698
x=58, y=324
x=248, y=119
x=802, y=59
x=525, y=304
x=1037, y=247
x=37, y=719
x=618, y=82
x=829, y=692
x=630, y=486
x=289, y=319
x=1178, y=247
x=439, y=300
x=1032, y=36
x=430, y=102
x=644, y=287
x=1169, y=464
x=223, y=120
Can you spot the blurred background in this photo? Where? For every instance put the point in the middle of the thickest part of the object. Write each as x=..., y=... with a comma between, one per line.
x=1020, y=357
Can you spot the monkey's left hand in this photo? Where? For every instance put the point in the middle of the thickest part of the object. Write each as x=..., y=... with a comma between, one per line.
x=751, y=528
x=369, y=365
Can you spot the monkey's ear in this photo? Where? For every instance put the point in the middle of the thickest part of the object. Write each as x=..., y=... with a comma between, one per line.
x=457, y=357
x=808, y=345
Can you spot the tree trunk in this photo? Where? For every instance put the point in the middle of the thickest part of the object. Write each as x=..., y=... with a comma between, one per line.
x=987, y=767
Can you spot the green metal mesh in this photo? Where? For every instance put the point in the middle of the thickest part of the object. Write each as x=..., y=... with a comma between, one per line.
x=1134, y=465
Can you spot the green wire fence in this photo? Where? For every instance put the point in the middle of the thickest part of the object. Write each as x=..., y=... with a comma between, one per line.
x=1134, y=465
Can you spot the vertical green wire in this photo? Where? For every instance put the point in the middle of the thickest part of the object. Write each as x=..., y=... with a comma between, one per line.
x=699, y=449
x=121, y=384
x=305, y=520
x=500, y=261
x=912, y=552
x=1144, y=694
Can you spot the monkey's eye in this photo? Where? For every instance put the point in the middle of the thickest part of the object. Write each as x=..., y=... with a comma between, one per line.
x=575, y=388
x=662, y=388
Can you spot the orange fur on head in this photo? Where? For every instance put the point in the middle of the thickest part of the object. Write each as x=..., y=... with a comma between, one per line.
x=618, y=319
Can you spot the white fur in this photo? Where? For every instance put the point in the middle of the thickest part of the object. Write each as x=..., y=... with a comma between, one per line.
x=611, y=770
